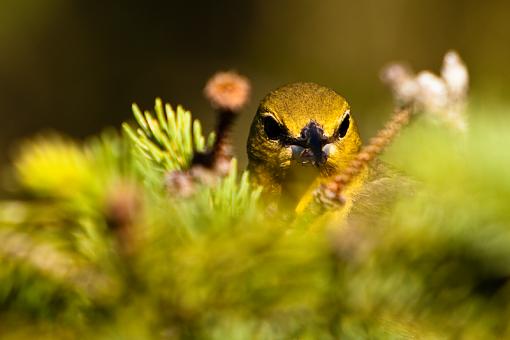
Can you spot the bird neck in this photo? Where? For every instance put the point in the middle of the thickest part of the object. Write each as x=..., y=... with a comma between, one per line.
x=296, y=181
x=292, y=188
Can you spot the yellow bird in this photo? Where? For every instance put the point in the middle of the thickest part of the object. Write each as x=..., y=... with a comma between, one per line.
x=302, y=134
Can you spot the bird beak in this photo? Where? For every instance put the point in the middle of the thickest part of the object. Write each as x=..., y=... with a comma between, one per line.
x=312, y=147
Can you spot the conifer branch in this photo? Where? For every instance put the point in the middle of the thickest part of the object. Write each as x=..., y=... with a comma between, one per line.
x=228, y=93
x=331, y=192
x=437, y=97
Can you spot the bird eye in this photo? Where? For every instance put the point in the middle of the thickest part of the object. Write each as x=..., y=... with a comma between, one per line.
x=344, y=126
x=272, y=128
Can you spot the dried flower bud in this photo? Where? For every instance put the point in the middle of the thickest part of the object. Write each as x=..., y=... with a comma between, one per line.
x=228, y=91
x=203, y=175
x=402, y=83
x=123, y=206
x=180, y=183
x=455, y=75
x=442, y=98
x=433, y=94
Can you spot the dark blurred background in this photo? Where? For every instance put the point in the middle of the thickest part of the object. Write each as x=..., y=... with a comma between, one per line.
x=76, y=66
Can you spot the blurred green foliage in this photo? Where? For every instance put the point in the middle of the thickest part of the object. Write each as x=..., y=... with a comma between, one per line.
x=109, y=252
x=93, y=244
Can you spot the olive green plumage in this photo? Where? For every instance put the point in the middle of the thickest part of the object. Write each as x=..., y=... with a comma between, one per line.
x=302, y=134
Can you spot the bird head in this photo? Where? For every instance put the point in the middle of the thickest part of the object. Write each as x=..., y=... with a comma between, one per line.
x=301, y=124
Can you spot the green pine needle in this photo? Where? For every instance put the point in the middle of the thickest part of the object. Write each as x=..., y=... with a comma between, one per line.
x=170, y=139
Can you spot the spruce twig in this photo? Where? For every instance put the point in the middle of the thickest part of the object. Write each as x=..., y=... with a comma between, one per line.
x=331, y=192
x=228, y=93
x=441, y=98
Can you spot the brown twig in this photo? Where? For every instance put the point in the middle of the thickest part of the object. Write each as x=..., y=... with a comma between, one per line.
x=331, y=192
x=437, y=96
x=228, y=93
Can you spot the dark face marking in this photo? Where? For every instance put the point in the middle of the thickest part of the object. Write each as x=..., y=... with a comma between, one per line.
x=314, y=139
x=344, y=126
x=272, y=128
x=311, y=139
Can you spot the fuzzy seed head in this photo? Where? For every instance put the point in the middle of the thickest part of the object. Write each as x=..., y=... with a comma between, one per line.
x=433, y=92
x=455, y=75
x=401, y=80
x=228, y=91
x=180, y=183
x=123, y=205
